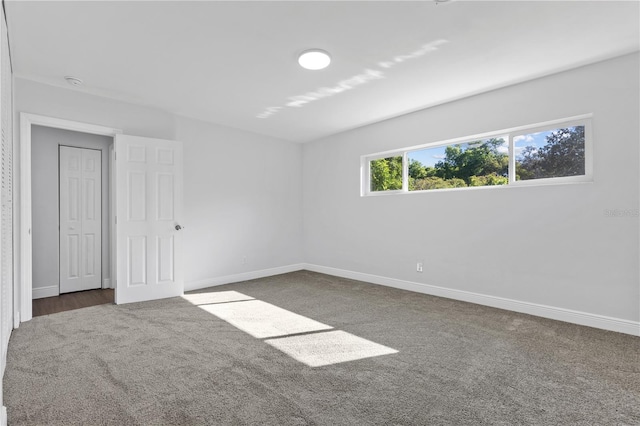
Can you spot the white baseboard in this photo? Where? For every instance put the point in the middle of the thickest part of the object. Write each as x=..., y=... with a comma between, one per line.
x=551, y=312
x=106, y=283
x=3, y=416
x=41, y=292
x=244, y=276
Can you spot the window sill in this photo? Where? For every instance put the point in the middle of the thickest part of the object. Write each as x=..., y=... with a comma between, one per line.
x=520, y=184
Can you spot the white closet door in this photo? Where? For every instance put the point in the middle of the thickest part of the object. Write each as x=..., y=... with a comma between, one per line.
x=80, y=219
x=148, y=208
x=6, y=196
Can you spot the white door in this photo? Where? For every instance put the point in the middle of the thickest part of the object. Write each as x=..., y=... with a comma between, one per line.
x=148, y=210
x=80, y=219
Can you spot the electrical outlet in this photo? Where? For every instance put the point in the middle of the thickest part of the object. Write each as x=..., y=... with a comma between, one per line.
x=419, y=267
x=244, y=260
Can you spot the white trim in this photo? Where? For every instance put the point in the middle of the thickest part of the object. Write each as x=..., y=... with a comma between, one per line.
x=25, y=219
x=26, y=121
x=106, y=283
x=518, y=184
x=511, y=169
x=405, y=171
x=244, y=276
x=3, y=416
x=551, y=312
x=76, y=126
x=49, y=291
x=112, y=215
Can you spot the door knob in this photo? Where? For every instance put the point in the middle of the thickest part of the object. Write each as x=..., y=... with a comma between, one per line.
x=178, y=227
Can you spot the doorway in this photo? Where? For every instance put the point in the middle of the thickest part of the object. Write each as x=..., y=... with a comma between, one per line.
x=70, y=200
x=24, y=289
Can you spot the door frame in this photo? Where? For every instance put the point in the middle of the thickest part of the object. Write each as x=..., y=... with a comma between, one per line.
x=23, y=285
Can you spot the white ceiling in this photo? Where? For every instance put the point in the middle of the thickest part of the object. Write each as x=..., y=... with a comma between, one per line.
x=228, y=62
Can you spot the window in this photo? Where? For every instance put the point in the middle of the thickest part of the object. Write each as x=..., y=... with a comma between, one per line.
x=552, y=152
x=386, y=174
x=477, y=163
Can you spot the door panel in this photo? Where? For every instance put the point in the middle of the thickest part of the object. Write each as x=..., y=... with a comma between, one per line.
x=73, y=250
x=137, y=261
x=137, y=190
x=148, y=205
x=166, y=258
x=89, y=246
x=166, y=196
x=80, y=219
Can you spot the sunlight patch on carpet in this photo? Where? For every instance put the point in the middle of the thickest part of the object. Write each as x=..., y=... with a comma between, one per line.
x=261, y=319
x=215, y=297
x=285, y=330
x=331, y=347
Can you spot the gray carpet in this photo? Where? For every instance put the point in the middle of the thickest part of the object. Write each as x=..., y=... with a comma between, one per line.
x=170, y=362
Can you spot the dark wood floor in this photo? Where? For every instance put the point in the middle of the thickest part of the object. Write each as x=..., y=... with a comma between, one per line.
x=70, y=301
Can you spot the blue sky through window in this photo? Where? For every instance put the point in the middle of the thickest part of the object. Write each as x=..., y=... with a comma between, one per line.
x=537, y=140
x=428, y=157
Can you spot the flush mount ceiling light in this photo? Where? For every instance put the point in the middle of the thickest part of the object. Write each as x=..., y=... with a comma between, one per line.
x=314, y=59
x=74, y=81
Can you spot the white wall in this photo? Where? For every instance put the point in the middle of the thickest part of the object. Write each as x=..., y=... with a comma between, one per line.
x=73, y=104
x=550, y=245
x=45, y=207
x=242, y=191
x=243, y=202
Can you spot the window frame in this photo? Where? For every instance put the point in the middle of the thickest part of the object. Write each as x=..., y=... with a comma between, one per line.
x=379, y=156
x=588, y=153
x=508, y=135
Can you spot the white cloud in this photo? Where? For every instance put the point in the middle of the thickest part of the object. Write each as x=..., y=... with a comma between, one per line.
x=439, y=157
x=504, y=148
x=525, y=138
